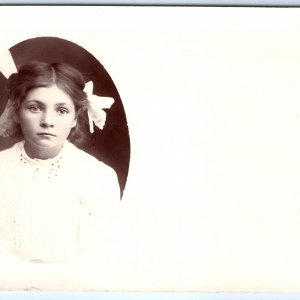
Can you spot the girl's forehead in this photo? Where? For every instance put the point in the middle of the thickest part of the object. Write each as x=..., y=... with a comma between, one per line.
x=49, y=95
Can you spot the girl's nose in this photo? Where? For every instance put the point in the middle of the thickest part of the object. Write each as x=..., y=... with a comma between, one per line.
x=47, y=120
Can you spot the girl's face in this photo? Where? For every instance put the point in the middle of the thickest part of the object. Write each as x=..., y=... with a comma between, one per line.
x=46, y=117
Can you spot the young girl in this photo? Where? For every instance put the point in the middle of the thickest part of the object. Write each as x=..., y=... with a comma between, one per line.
x=53, y=196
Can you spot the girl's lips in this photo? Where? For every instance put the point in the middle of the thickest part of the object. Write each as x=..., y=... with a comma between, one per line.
x=46, y=133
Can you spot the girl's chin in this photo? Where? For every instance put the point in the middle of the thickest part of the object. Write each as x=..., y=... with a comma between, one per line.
x=42, y=149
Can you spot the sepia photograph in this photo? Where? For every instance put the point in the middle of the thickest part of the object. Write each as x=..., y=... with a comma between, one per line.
x=51, y=110
x=149, y=149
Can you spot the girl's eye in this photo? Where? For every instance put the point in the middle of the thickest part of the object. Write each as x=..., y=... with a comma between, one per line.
x=62, y=110
x=34, y=108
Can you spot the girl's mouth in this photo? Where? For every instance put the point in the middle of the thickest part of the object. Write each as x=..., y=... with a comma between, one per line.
x=46, y=134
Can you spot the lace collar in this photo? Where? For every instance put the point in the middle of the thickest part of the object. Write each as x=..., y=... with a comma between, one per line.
x=40, y=168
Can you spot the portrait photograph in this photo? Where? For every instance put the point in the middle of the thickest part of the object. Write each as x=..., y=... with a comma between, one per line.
x=150, y=149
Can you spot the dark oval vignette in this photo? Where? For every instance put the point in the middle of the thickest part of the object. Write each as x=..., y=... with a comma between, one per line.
x=112, y=144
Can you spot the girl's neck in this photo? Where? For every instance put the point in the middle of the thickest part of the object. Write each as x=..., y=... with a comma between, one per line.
x=41, y=153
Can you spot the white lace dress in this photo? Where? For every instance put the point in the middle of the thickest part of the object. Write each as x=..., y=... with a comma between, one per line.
x=49, y=209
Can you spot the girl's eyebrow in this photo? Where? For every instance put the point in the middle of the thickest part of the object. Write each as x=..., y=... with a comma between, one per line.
x=35, y=101
x=62, y=104
x=43, y=103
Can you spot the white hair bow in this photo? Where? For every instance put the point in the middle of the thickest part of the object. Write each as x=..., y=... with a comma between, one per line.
x=96, y=104
x=7, y=64
x=7, y=124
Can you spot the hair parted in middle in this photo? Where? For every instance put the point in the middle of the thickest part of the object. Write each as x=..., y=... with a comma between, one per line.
x=35, y=74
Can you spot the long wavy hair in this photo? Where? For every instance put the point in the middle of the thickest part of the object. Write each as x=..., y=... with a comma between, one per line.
x=37, y=74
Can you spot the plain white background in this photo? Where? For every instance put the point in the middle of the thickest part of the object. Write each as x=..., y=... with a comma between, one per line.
x=212, y=101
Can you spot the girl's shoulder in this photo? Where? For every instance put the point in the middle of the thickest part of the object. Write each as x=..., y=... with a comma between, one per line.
x=10, y=153
x=84, y=161
x=96, y=176
x=9, y=159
